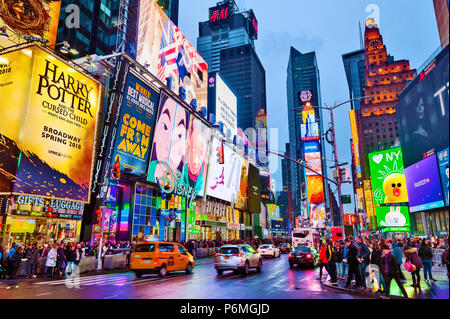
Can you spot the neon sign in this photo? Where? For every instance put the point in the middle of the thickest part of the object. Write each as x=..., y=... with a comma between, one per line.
x=219, y=15
x=170, y=184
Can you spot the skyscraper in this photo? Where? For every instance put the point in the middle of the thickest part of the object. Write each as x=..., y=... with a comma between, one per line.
x=171, y=8
x=441, y=9
x=354, y=64
x=303, y=79
x=97, y=32
x=226, y=42
x=385, y=78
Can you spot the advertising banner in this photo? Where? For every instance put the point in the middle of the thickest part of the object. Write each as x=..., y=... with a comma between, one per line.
x=314, y=162
x=424, y=185
x=315, y=191
x=181, y=145
x=388, y=177
x=137, y=119
x=166, y=53
x=243, y=188
x=422, y=112
x=317, y=215
x=56, y=110
x=394, y=218
x=223, y=103
x=310, y=132
x=368, y=198
x=254, y=189
x=309, y=116
x=355, y=138
x=29, y=19
x=443, y=170
x=224, y=179
x=274, y=211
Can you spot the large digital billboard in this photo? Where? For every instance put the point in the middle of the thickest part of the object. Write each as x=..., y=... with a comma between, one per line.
x=254, y=190
x=314, y=185
x=443, y=170
x=274, y=211
x=137, y=120
x=422, y=112
x=313, y=158
x=317, y=219
x=393, y=218
x=166, y=53
x=355, y=139
x=52, y=111
x=220, y=14
x=181, y=142
x=224, y=179
x=29, y=19
x=424, y=185
x=243, y=186
x=222, y=102
x=388, y=177
x=310, y=131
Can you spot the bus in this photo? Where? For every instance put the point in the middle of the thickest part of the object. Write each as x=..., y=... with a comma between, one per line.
x=305, y=237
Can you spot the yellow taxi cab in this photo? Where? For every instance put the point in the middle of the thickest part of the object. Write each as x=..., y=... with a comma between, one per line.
x=160, y=258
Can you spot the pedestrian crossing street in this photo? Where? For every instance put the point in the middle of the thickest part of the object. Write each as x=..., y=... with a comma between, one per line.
x=122, y=279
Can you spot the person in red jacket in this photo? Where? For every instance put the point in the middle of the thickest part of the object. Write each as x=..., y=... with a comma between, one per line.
x=323, y=261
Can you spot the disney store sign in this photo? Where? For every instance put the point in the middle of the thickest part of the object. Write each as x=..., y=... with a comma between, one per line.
x=171, y=184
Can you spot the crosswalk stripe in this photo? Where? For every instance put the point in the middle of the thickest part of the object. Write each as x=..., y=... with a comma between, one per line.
x=82, y=279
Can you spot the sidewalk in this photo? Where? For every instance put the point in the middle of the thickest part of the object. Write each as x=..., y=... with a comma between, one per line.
x=436, y=290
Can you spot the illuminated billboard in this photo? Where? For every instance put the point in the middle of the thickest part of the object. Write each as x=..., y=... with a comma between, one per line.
x=388, y=177
x=137, y=119
x=314, y=185
x=424, y=185
x=313, y=161
x=308, y=116
x=222, y=102
x=224, y=179
x=220, y=15
x=310, y=131
x=443, y=170
x=181, y=142
x=29, y=19
x=423, y=112
x=317, y=219
x=274, y=211
x=166, y=53
x=243, y=188
x=254, y=190
x=393, y=218
x=355, y=139
x=55, y=109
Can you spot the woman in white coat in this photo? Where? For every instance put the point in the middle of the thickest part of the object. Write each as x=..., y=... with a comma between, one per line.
x=51, y=260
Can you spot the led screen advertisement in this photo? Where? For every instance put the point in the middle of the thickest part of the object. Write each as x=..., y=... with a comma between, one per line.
x=388, y=177
x=422, y=112
x=220, y=15
x=310, y=131
x=317, y=215
x=29, y=18
x=166, y=53
x=55, y=109
x=443, y=170
x=393, y=218
x=222, y=102
x=274, y=211
x=180, y=150
x=254, y=190
x=314, y=185
x=424, y=185
x=224, y=179
x=137, y=120
x=243, y=186
x=313, y=158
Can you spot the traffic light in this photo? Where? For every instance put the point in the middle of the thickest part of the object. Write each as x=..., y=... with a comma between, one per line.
x=220, y=155
x=115, y=173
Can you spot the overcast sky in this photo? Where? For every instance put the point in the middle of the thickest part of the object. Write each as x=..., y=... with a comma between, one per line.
x=330, y=28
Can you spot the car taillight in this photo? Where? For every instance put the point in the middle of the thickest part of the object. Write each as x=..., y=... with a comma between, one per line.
x=131, y=260
x=156, y=260
x=217, y=255
x=238, y=255
x=291, y=255
x=309, y=255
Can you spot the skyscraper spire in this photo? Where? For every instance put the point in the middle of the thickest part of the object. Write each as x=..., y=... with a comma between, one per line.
x=361, y=41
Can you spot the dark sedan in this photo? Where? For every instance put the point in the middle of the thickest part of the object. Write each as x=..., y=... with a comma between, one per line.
x=302, y=256
x=285, y=248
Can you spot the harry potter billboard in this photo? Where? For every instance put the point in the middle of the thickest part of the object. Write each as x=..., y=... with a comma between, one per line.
x=47, y=143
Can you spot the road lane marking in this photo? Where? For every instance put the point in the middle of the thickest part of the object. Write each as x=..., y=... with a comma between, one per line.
x=43, y=294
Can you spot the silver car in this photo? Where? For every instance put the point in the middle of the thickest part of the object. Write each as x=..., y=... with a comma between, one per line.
x=239, y=258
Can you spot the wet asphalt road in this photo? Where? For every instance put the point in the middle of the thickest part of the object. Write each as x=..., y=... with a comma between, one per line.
x=277, y=281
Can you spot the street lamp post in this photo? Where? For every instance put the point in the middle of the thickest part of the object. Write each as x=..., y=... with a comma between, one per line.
x=337, y=165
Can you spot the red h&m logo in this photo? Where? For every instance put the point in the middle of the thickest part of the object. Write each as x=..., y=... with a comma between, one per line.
x=255, y=25
x=218, y=15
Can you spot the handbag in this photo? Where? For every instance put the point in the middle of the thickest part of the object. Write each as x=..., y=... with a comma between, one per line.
x=410, y=267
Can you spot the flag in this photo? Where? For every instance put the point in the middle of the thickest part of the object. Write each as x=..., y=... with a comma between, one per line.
x=182, y=71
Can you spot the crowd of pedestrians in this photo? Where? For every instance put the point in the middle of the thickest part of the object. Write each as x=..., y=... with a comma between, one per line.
x=57, y=260
x=369, y=260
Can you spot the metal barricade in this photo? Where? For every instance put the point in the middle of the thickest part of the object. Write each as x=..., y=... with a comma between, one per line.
x=439, y=270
